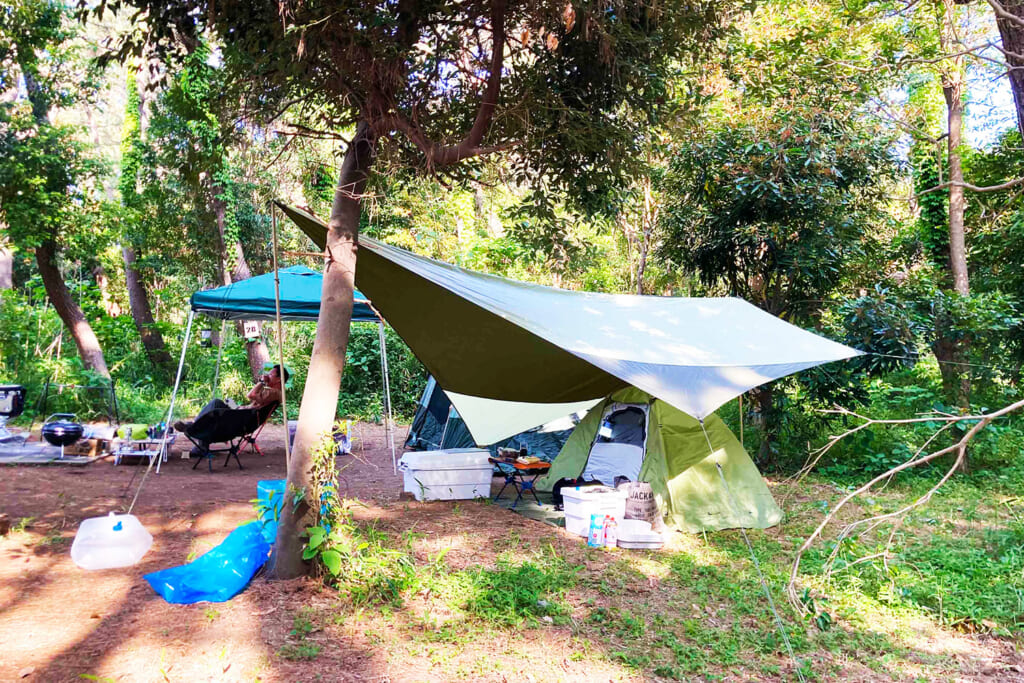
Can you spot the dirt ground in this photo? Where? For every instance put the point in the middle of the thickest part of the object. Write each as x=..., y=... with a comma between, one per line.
x=61, y=623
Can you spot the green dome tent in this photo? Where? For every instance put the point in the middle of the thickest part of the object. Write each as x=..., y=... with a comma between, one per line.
x=656, y=443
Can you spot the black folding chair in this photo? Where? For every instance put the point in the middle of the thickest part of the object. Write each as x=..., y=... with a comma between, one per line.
x=233, y=429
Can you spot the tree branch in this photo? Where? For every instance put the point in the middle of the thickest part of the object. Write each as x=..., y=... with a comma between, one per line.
x=960, y=448
x=974, y=188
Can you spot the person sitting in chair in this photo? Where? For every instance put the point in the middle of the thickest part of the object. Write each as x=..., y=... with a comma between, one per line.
x=211, y=418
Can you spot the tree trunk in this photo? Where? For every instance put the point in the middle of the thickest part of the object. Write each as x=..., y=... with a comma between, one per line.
x=6, y=267
x=234, y=268
x=142, y=315
x=320, y=398
x=110, y=307
x=952, y=89
x=949, y=348
x=1012, y=33
x=763, y=398
x=69, y=311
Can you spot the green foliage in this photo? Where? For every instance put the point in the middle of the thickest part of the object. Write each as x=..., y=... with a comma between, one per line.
x=511, y=593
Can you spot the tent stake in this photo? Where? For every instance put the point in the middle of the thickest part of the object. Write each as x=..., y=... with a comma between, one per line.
x=280, y=342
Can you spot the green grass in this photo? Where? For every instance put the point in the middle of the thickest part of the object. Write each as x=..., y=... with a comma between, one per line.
x=699, y=611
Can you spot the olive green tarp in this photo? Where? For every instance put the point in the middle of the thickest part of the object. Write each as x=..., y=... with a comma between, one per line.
x=680, y=468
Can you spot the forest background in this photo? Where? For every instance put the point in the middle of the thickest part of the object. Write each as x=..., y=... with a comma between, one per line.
x=806, y=159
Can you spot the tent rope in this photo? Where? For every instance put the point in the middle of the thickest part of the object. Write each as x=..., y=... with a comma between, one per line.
x=757, y=565
x=170, y=413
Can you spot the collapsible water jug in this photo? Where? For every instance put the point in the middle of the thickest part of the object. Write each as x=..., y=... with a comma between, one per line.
x=109, y=542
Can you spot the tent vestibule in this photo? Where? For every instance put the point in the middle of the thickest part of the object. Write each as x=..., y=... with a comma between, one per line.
x=674, y=459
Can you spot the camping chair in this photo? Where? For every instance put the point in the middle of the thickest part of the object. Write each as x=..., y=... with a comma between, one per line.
x=250, y=440
x=233, y=429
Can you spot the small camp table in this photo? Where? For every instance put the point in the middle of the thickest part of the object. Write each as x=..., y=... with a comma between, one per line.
x=144, y=448
x=516, y=473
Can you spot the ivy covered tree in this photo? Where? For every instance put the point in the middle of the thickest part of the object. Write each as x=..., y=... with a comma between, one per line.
x=48, y=178
x=435, y=86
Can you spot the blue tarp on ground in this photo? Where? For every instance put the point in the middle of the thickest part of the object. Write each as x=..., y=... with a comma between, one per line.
x=223, y=572
x=253, y=299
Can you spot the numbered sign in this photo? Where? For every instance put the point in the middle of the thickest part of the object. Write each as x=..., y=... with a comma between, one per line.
x=250, y=329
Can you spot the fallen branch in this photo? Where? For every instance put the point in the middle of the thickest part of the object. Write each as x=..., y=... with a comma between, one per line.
x=960, y=448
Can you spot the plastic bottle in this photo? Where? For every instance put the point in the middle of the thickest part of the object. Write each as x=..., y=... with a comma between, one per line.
x=611, y=532
x=595, y=539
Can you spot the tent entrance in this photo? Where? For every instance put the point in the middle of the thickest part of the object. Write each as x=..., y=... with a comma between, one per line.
x=620, y=445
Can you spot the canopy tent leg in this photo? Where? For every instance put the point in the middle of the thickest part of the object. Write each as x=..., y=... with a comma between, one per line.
x=170, y=411
x=220, y=354
x=280, y=342
x=389, y=427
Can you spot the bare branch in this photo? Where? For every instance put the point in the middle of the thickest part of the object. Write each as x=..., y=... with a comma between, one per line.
x=974, y=188
x=960, y=448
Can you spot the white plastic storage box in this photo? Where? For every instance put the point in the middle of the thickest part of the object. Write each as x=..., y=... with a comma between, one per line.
x=453, y=474
x=583, y=501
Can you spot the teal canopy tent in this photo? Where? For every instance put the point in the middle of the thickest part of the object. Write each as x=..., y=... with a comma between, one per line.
x=253, y=299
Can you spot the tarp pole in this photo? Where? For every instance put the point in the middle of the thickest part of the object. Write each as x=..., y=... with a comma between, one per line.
x=174, y=398
x=741, y=422
x=280, y=342
x=220, y=354
x=389, y=427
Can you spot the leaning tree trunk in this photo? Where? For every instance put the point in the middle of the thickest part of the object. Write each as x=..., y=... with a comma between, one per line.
x=69, y=311
x=1011, y=29
x=235, y=268
x=142, y=314
x=320, y=397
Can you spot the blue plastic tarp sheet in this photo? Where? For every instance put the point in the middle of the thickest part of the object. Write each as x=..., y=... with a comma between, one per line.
x=219, y=574
x=224, y=571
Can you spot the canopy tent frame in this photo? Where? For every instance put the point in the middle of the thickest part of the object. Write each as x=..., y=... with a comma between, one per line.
x=218, y=306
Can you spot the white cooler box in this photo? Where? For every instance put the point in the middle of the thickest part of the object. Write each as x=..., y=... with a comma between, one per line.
x=453, y=474
x=583, y=501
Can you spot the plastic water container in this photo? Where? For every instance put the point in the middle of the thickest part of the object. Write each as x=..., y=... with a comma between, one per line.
x=110, y=542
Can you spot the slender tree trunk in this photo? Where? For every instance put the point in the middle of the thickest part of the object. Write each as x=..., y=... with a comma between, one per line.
x=949, y=347
x=142, y=315
x=1012, y=33
x=320, y=398
x=69, y=311
x=6, y=267
x=763, y=397
x=110, y=307
x=952, y=89
x=234, y=268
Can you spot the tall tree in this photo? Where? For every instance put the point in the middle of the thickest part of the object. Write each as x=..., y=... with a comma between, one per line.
x=45, y=174
x=138, y=296
x=192, y=136
x=432, y=85
x=1010, y=20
